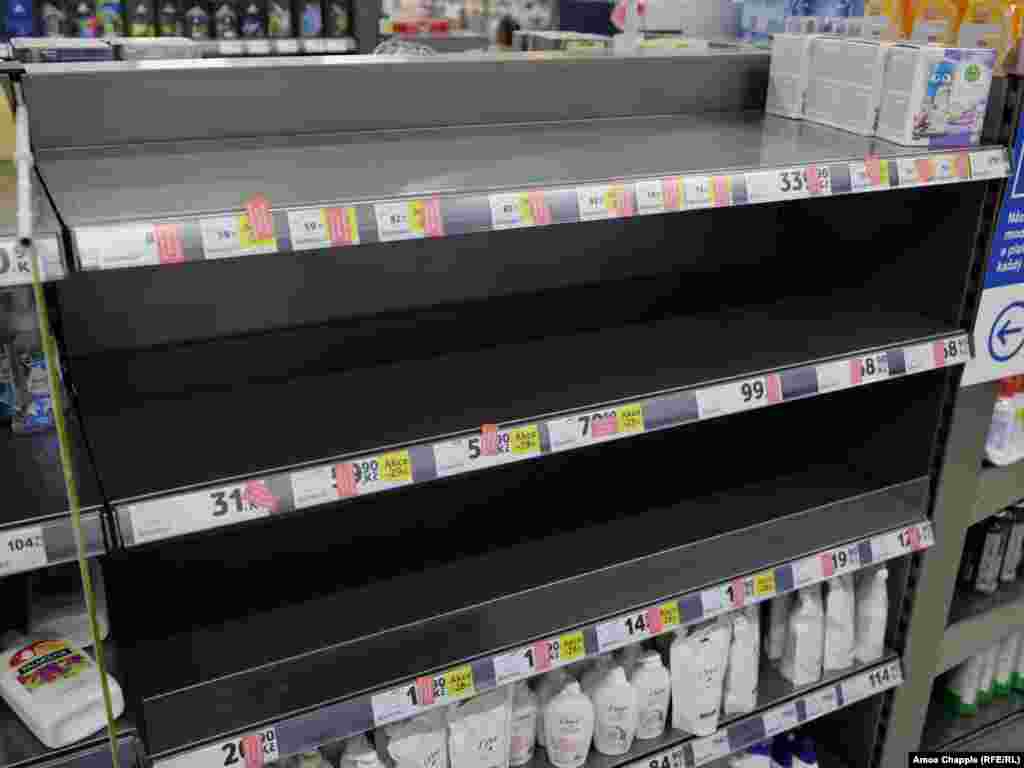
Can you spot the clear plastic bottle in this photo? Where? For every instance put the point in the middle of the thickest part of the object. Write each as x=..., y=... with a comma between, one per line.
x=523, y=726
x=653, y=686
x=872, y=613
x=1001, y=443
x=569, y=723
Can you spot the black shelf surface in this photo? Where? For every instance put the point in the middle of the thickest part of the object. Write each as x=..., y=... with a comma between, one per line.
x=166, y=433
x=19, y=747
x=998, y=488
x=969, y=605
x=166, y=180
x=214, y=680
x=772, y=689
x=33, y=481
x=944, y=730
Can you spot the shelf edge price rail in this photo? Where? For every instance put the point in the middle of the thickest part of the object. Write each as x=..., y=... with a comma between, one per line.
x=164, y=517
x=344, y=223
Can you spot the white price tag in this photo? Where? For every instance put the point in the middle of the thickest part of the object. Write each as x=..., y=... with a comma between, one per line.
x=128, y=245
x=257, y=47
x=834, y=376
x=16, y=266
x=594, y=427
x=451, y=457
x=710, y=747
x=876, y=680
x=396, y=704
x=821, y=702
x=229, y=753
x=904, y=541
x=711, y=601
x=841, y=560
x=989, y=164
x=611, y=634
x=228, y=237
x=807, y=571
x=469, y=453
x=765, y=186
x=953, y=351
x=608, y=201
x=909, y=176
x=314, y=486
x=308, y=229
x=659, y=195
x=733, y=397
x=782, y=719
x=22, y=549
x=199, y=511
x=409, y=219
x=698, y=191
x=872, y=368
x=287, y=47
x=512, y=666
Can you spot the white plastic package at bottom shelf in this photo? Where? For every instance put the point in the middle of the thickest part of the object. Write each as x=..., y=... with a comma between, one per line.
x=805, y=638
x=359, y=753
x=478, y=731
x=54, y=687
x=523, y=724
x=698, y=662
x=839, y=623
x=615, y=713
x=778, y=620
x=872, y=613
x=742, y=674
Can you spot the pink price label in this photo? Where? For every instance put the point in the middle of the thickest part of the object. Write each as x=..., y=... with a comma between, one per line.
x=914, y=537
x=670, y=193
x=827, y=568
x=813, y=182
x=539, y=208
x=489, y=440
x=345, y=480
x=261, y=222
x=609, y=425
x=433, y=224
x=774, y=389
x=873, y=169
x=168, y=243
x=424, y=691
x=925, y=168
x=739, y=593
x=654, y=624
x=541, y=656
x=938, y=354
x=855, y=371
x=720, y=185
x=252, y=750
x=339, y=226
x=258, y=495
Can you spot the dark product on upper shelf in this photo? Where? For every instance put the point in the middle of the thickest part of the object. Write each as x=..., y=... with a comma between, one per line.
x=19, y=21
x=170, y=19
x=971, y=558
x=225, y=20
x=309, y=21
x=336, y=18
x=110, y=14
x=53, y=19
x=997, y=531
x=141, y=18
x=1014, y=517
x=82, y=18
x=197, y=20
x=252, y=18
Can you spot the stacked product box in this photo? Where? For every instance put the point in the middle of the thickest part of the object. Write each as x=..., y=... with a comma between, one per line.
x=911, y=94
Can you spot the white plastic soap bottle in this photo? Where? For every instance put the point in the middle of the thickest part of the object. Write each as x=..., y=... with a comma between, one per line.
x=54, y=687
x=778, y=620
x=698, y=671
x=744, y=656
x=478, y=731
x=629, y=657
x=872, y=612
x=839, y=623
x=523, y=727
x=419, y=742
x=550, y=686
x=359, y=754
x=653, y=687
x=805, y=638
x=615, y=713
x=569, y=723
x=1002, y=442
x=962, y=687
x=595, y=674
x=987, y=676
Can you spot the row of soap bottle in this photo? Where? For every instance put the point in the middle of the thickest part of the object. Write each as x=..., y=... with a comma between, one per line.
x=193, y=19
x=25, y=400
x=1005, y=442
x=813, y=633
x=987, y=676
x=993, y=551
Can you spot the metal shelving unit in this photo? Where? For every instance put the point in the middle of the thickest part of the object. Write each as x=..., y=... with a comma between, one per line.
x=445, y=308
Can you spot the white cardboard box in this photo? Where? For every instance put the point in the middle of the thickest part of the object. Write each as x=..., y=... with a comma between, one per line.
x=845, y=83
x=787, y=79
x=933, y=96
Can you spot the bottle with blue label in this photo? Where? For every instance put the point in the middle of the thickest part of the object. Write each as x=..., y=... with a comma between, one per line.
x=252, y=18
x=19, y=18
x=311, y=23
x=111, y=18
x=82, y=16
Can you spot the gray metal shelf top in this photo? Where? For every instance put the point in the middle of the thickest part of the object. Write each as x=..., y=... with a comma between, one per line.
x=998, y=488
x=979, y=621
x=144, y=182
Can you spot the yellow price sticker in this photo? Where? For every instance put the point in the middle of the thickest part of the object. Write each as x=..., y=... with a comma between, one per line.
x=246, y=238
x=669, y=614
x=396, y=467
x=630, y=418
x=524, y=440
x=764, y=584
x=883, y=172
x=458, y=682
x=417, y=216
x=571, y=647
